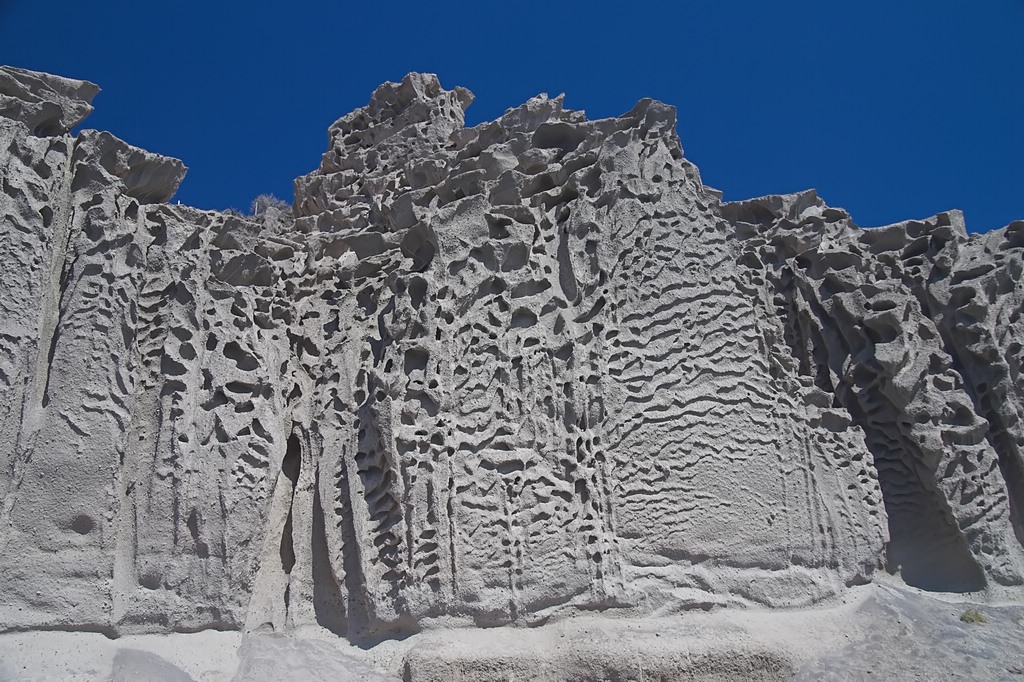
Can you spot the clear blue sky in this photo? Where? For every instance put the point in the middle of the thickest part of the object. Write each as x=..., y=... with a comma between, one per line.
x=892, y=110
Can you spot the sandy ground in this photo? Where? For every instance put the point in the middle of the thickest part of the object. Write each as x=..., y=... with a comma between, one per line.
x=878, y=632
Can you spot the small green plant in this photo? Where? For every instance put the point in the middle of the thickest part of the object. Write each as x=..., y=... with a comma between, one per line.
x=974, y=617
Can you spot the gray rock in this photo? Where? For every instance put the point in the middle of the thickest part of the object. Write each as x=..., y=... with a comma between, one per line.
x=48, y=105
x=482, y=376
x=908, y=636
x=279, y=658
x=131, y=665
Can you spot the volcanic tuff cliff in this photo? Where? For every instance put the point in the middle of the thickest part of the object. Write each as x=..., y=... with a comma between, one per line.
x=482, y=375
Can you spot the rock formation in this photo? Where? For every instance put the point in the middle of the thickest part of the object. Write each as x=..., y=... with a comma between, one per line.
x=482, y=376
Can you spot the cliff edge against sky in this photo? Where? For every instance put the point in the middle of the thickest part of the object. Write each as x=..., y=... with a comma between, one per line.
x=483, y=376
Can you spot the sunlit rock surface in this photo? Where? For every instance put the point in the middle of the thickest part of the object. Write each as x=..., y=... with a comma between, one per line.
x=482, y=376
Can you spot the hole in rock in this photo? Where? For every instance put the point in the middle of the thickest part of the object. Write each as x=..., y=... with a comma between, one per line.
x=420, y=245
x=290, y=468
x=523, y=318
x=416, y=359
x=82, y=524
x=149, y=580
x=417, y=292
x=202, y=549
x=242, y=358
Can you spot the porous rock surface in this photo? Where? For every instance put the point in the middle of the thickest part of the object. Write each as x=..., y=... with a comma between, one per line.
x=482, y=376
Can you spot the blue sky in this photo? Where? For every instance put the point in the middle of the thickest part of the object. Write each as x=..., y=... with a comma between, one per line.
x=892, y=110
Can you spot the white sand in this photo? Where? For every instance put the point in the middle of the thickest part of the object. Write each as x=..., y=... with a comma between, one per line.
x=878, y=631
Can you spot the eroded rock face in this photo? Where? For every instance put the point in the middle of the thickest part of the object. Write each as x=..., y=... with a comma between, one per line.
x=482, y=376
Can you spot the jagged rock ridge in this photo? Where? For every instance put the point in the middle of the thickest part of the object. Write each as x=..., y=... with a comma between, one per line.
x=482, y=376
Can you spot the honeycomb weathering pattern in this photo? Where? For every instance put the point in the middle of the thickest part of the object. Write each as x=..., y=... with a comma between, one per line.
x=481, y=376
